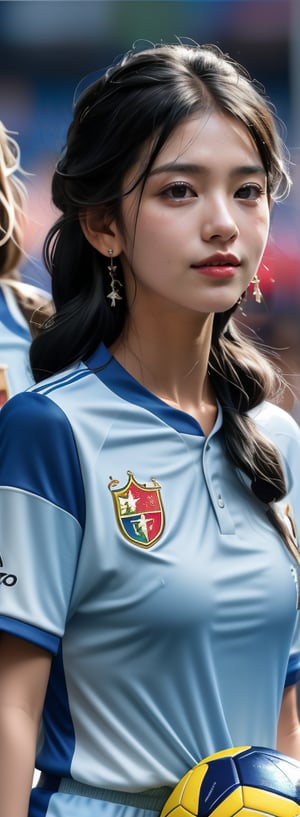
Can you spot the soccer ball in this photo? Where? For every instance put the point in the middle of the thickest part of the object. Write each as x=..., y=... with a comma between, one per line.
x=247, y=781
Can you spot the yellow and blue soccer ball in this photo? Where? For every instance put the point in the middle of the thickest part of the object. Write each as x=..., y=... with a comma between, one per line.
x=246, y=781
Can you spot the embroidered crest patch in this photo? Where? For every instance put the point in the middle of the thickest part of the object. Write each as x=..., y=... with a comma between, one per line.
x=139, y=511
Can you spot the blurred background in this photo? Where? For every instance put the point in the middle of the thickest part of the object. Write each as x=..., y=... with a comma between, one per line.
x=51, y=49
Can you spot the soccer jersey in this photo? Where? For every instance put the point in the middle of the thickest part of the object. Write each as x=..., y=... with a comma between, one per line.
x=15, y=339
x=135, y=553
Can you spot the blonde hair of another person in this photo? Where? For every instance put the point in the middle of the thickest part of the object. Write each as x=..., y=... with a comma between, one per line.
x=13, y=201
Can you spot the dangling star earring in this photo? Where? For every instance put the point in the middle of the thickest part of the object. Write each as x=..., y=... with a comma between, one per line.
x=114, y=294
x=256, y=288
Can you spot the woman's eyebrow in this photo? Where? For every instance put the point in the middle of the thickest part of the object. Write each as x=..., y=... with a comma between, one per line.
x=187, y=167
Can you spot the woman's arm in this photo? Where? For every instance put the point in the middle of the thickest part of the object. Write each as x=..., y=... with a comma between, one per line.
x=24, y=673
x=288, y=733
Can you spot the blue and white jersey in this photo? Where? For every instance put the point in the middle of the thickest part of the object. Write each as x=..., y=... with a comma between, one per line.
x=134, y=552
x=15, y=341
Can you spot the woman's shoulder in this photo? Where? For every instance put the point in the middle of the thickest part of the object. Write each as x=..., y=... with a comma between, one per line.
x=50, y=403
x=31, y=416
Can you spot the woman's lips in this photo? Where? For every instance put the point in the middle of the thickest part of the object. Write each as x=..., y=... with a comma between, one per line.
x=218, y=266
x=216, y=270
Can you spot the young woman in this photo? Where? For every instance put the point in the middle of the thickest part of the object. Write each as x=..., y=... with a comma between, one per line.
x=22, y=306
x=148, y=486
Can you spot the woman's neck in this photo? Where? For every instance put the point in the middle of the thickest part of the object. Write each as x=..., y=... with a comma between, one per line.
x=173, y=366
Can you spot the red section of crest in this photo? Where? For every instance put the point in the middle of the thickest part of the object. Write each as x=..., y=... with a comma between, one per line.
x=146, y=499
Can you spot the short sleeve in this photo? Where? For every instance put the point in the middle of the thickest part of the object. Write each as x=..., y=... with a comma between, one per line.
x=42, y=516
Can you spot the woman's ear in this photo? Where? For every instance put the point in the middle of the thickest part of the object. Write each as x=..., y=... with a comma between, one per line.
x=102, y=236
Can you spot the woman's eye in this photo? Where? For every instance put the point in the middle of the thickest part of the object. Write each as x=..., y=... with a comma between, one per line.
x=178, y=191
x=249, y=192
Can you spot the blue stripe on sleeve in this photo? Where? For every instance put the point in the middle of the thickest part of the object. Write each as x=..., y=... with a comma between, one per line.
x=47, y=641
x=38, y=452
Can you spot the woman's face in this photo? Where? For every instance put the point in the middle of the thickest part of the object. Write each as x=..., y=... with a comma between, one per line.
x=196, y=237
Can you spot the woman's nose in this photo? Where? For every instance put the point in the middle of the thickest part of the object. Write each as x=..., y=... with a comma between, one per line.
x=219, y=222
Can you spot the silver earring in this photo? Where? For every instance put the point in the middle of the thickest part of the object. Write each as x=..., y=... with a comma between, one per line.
x=114, y=294
x=256, y=289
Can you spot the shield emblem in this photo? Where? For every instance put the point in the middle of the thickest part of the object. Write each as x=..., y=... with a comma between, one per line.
x=139, y=511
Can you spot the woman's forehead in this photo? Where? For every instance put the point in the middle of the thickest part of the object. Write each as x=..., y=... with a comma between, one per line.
x=200, y=138
x=203, y=130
